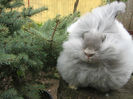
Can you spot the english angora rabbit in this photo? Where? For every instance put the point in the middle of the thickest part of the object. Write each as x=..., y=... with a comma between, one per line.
x=98, y=52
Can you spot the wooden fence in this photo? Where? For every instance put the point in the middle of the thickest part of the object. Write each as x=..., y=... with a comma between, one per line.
x=127, y=17
x=62, y=7
x=65, y=7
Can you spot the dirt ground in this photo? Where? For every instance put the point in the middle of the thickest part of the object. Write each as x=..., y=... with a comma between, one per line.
x=52, y=89
x=51, y=81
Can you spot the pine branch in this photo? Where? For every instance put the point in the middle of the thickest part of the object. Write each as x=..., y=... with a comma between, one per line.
x=57, y=23
x=0, y=11
x=75, y=6
x=27, y=30
x=29, y=12
x=16, y=4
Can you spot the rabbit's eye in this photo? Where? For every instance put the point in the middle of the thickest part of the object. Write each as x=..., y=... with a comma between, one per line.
x=97, y=48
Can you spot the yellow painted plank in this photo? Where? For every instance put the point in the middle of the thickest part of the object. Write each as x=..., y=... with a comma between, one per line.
x=62, y=7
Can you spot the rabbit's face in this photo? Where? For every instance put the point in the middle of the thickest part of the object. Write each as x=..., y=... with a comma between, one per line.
x=91, y=46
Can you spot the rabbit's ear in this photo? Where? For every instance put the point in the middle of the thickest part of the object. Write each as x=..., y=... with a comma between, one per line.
x=116, y=7
x=106, y=14
x=110, y=10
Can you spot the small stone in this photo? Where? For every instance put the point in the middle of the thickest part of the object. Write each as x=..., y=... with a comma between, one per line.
x=106, y=94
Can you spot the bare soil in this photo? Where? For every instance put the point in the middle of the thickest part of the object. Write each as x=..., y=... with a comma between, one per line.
x=52, y=89
x=51, y=81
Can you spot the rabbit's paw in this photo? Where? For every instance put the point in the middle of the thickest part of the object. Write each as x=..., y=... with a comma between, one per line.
x=73, y=87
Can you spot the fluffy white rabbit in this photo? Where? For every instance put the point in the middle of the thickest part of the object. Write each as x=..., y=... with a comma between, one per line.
x=98, y=52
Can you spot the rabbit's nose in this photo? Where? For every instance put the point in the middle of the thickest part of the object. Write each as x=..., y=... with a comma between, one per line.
x=88, y=54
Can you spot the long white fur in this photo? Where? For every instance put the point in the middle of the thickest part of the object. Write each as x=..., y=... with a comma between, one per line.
x=97, y=20
x=115, y=64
